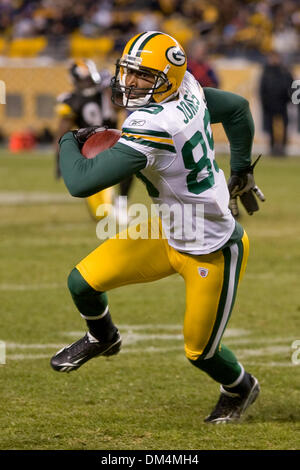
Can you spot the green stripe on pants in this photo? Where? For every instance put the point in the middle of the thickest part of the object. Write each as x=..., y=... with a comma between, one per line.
x=233, y=257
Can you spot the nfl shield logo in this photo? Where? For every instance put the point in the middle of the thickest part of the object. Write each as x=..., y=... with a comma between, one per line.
x=203, y=272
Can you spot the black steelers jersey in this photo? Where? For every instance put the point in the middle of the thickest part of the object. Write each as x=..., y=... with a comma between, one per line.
x=86, y=111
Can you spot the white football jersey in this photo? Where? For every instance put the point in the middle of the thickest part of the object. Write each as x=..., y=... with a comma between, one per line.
x=181, y=174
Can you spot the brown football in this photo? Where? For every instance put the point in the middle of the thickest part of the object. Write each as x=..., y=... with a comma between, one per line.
x=100, y=141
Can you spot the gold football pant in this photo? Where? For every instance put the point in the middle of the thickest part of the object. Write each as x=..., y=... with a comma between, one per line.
x=103, y=197
x=211, y=281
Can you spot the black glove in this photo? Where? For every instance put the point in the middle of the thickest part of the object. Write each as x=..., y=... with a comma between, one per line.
x=82, y=135
x=242, y=184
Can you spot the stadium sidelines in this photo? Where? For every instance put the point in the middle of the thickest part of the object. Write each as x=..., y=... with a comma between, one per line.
x=139, y=335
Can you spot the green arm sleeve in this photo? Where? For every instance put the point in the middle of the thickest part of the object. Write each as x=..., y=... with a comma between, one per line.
x=84, y=177
x=234, y=113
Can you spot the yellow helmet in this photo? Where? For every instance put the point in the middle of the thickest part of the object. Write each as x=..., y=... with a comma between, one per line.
x=156, y=53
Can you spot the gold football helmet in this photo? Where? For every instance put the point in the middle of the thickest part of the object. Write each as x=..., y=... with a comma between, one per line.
x=151, y=52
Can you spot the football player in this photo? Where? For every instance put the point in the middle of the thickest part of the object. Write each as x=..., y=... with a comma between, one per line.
x=167, y=141
x=89, y=104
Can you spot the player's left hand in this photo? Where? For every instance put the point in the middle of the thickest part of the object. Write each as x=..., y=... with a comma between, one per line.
x=82, y=135
x=241, y=184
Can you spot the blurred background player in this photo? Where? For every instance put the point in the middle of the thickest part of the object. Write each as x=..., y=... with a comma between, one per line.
x=275, y=95
x=199, y=66
x=89, y=104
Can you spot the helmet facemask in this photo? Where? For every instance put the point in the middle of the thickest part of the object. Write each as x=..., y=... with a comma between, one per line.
x=133, y=97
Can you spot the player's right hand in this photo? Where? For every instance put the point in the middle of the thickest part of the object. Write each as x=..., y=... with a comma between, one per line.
x=83, y=134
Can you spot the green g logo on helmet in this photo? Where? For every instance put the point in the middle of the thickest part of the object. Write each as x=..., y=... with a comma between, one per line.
x=176, y=56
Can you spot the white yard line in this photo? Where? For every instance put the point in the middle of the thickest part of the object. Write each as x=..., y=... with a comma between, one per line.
x=28, y=287
x=262, y=352
x=264, y=341
x=25, y=357
x=135, y=343
x=34, y=197
x=45, y=242
x=230, y=333
x=14, y=346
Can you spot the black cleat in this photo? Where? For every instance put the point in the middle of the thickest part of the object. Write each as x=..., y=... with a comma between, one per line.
x=230, y=407
x=76, y=354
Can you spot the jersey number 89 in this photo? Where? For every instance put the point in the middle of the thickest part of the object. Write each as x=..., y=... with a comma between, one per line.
x=194, y=186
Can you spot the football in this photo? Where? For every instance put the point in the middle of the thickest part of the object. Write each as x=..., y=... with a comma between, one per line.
x=100, y=141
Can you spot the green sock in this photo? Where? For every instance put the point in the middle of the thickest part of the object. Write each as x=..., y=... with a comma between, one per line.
x=223, y=367
x=92, y=305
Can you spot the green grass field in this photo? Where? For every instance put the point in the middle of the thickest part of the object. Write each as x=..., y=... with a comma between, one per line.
x=149, y=396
